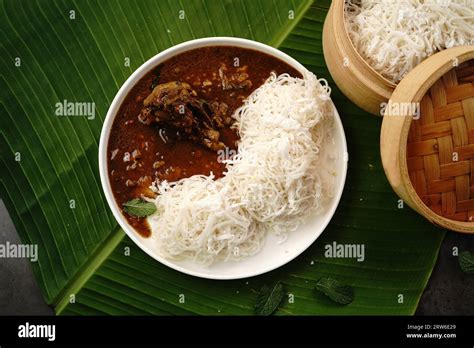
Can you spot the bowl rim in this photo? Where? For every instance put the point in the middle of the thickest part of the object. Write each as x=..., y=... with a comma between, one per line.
x=147, y=66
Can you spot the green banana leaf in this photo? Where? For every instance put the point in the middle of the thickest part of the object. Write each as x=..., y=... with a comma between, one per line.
x=76, y=50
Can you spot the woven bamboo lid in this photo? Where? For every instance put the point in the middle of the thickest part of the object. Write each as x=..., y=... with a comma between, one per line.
x=427, y=139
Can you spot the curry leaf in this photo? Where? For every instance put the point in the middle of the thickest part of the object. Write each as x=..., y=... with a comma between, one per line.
x=269, y=298
x=335, y=290
x=139, y=208
x=466, y=262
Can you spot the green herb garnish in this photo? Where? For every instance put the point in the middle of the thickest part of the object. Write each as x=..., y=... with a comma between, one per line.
x=269, y=298
x=335, y=290
x=139, y=208
x=466, y=262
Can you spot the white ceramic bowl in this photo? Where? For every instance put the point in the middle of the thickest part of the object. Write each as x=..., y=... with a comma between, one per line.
x=273, y=253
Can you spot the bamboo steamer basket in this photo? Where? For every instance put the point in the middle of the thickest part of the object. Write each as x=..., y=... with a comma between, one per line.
x=364, y=86
x=429, y=161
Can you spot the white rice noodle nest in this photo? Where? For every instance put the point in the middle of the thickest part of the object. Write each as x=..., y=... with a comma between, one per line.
x=282, y=173
x=394, y=36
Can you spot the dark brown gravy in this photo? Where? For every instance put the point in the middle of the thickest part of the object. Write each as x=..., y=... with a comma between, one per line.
x=199, y=67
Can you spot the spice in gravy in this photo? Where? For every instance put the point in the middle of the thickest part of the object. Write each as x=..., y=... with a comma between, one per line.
x=214, y=80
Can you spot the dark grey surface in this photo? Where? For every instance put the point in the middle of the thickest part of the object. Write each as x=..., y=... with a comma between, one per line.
x=19, y=293
x=449, y=291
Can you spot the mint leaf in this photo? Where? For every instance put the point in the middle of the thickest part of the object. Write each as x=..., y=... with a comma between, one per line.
x=466, y=262
x=139, y=207
x=269, y=298
x=335, y=290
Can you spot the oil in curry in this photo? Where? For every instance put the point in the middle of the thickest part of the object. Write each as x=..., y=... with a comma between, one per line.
x=176, y=121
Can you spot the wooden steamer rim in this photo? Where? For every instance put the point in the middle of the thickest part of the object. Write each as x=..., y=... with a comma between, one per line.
x=395, y=130
x=357, y=80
